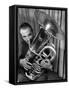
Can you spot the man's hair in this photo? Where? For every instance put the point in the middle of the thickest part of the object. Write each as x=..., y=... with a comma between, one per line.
x=25, y=26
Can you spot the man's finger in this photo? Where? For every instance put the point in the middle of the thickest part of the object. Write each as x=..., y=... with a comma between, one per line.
x=28, y=63
x=28, y=66
x=25, y=68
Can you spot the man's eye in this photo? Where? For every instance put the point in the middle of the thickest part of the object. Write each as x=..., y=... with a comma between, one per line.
x=30, y=34
x=24, y=36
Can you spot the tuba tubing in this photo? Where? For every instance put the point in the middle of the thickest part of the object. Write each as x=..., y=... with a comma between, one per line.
x=52, y=49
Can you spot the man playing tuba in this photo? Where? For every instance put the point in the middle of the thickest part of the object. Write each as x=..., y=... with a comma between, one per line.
x=38, y=52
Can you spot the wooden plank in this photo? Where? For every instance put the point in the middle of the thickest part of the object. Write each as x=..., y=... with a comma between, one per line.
x=63, y=21
x=58, y=42
x=20, y=16
x=47, y=11
x=62, y=47
x=51, y=13
x=61, y=59
x=36, y=26
x=64, y=67
x=63, y=29
x=56, y=60
x=55, y=15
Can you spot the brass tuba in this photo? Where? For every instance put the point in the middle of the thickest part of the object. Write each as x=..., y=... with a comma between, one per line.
x=41, y=51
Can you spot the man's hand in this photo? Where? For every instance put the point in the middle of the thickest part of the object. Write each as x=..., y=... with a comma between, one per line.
x=24, y=63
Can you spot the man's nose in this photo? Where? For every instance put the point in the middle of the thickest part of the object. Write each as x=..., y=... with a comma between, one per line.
x=28, y=38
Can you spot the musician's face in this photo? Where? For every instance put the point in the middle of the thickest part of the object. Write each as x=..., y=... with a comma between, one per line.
x=26, y=34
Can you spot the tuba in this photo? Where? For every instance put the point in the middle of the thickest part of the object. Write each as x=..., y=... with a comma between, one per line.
x=41, y=52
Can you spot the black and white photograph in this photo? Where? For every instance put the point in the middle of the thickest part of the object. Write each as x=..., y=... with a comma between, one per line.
x=41, y=46
x=34, y=40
